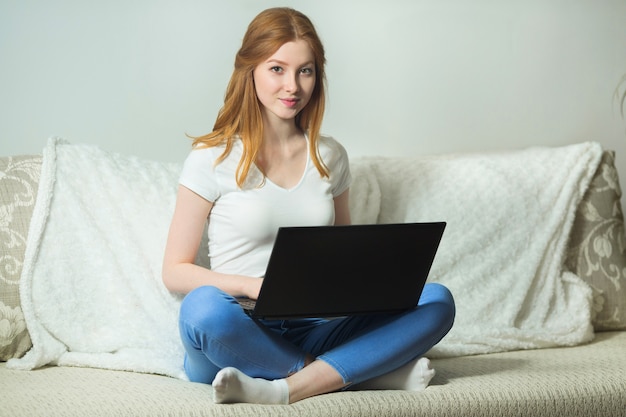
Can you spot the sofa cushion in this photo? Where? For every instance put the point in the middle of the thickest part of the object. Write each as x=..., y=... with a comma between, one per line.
x=18, y=188
x=597, y=248
x=585, y=381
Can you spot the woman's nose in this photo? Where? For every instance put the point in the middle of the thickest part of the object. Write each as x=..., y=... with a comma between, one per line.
x=291, y=84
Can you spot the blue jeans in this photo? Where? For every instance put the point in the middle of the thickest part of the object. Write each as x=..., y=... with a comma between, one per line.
x=217, y=333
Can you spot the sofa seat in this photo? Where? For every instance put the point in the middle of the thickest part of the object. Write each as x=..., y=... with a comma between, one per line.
x=571, y=381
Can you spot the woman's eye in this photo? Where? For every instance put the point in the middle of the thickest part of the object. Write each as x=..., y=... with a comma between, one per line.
x=276, y=69
x=307, y=71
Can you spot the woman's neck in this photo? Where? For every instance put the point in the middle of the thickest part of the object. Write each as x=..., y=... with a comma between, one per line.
x=283, y=153
x=279, y=132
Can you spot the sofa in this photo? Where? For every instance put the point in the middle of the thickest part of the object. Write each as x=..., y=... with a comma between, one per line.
x=540, y=328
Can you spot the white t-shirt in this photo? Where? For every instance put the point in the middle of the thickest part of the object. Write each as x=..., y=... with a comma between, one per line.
x=244, y=221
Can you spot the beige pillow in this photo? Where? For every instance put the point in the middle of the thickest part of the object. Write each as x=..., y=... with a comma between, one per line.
x=19, y=178
x=597, y=248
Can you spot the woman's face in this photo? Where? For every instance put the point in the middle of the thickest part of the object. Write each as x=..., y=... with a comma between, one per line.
x=285, y=81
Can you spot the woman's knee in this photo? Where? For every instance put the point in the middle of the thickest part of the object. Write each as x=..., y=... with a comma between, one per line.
x=441, y=298
x=208, y=310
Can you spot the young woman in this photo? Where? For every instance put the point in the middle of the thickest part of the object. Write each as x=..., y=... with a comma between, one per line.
x=266, y=165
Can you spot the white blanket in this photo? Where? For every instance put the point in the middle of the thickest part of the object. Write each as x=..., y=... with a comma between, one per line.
x=91, y=285
x=92, y=293
x=509, y=216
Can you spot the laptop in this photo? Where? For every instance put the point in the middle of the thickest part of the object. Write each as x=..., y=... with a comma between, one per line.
x=334, y=271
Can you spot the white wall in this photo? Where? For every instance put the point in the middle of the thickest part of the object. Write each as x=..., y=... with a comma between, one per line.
x=406, y=77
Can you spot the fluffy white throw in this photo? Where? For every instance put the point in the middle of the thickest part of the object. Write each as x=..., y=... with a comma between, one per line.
x=92, y=293
x=91, y=285
x=509, y=217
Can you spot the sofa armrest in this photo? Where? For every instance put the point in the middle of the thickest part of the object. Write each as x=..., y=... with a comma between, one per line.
x=19, y=178
x=597, y=248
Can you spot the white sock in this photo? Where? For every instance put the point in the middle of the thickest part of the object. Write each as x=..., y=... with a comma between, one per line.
x=414, y=376
x=233, y=386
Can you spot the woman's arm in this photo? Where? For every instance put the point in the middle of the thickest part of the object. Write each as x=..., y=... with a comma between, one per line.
x=180, y=274
x=342, y=208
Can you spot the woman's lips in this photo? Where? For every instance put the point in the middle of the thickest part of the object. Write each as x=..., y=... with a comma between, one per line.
x=289, y=102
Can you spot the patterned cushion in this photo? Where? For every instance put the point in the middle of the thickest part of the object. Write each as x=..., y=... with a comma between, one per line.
x=18, y=188
x=597, y=248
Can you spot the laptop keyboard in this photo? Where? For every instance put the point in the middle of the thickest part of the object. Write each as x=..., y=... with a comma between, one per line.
x=246, y=303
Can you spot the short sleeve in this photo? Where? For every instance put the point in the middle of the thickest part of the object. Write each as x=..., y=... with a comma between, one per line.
x=336, y=159
x=198, y=174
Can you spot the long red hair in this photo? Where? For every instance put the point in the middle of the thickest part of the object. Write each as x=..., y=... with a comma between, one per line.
x=241, y=115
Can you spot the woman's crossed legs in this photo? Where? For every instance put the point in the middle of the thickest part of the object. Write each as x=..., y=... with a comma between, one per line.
x=272, y=361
